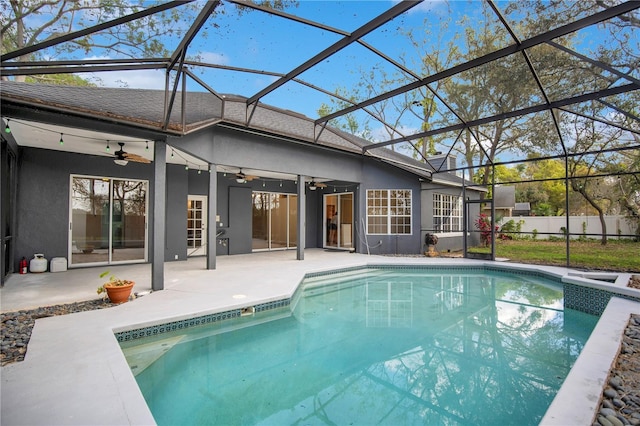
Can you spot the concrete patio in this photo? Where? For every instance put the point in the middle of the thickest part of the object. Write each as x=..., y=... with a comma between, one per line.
x=75, y=373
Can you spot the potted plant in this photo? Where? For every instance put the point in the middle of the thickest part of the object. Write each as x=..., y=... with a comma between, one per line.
x=117, y=290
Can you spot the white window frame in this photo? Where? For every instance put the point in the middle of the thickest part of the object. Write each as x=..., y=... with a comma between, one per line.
x=381, y=205
x=448, y=209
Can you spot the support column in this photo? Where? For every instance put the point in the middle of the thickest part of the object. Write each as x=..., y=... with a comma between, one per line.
x=3, y=216
x=566, y=210
x=159, y=214
x=302, y=216
x=212, y=210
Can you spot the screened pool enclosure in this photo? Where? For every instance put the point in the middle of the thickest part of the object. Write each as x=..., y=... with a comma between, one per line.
x=537, y=100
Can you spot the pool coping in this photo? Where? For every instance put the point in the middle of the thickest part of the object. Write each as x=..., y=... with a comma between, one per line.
x=76, y=373
x=579, y=397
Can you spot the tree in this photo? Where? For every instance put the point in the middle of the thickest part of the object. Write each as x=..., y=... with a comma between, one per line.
x=28, y=22
x=349, y=122
x=591, y=145
x=543, y=187
x=60, y=79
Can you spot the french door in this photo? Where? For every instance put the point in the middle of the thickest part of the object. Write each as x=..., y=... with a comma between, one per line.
x=108, y=220
x=196, y=225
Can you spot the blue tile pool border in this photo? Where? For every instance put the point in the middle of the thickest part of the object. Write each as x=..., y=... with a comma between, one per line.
x=125, y=336
x=578, y=297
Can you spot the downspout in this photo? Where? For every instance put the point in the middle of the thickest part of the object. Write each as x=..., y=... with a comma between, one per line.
x=302, y=216
x=212, y=210
x=464, y=218
x=493, y=211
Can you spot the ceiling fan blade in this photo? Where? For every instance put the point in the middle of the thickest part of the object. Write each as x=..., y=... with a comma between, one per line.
x=135, y=158
x=321, y=185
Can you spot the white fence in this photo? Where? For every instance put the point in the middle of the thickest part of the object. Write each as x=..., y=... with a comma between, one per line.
x=545, y=225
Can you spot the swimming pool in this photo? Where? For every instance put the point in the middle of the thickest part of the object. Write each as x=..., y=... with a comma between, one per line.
x=409, y=346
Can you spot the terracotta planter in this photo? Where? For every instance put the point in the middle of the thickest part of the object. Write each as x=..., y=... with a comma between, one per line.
x=118, y=293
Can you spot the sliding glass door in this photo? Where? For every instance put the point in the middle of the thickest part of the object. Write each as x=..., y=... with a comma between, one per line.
x=338, y=219
x=108, y=220
x=274, y=220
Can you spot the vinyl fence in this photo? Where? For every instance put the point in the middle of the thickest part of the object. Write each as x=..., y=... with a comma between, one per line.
x=587, y=226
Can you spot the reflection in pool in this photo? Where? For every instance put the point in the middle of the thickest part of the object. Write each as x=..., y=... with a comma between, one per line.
x=400, y=346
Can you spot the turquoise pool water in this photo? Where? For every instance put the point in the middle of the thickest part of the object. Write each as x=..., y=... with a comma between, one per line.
x=380, y=347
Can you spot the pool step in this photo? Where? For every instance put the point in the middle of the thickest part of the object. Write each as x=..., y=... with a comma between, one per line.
x=341, y=277
x=142, y=356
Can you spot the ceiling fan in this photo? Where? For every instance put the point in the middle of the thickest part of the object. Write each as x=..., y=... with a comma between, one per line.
x=242, y=178
x=122, y=157
x=313, y=185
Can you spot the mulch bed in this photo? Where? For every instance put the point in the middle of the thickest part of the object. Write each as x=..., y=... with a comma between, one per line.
x=17, y=326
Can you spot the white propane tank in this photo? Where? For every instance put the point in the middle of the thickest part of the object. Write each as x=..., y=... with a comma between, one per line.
x=38, y=263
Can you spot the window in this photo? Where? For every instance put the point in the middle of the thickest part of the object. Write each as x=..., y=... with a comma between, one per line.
x=389, y=211
x=447, y=213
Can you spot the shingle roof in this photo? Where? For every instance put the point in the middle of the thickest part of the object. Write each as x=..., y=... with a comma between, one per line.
x=203, y=109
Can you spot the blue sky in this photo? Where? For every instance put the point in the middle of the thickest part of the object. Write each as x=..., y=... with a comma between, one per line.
x=257, y=41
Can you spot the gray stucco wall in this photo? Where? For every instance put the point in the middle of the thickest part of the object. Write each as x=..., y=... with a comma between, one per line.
x=240, y=149
x=236, y=230
x=382, y=176
x=44, y=181
x=454, y=242
x=176, y=210
x=235, y=148
x=43, y=197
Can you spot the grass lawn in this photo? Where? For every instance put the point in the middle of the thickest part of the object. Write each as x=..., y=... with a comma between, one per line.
x=617, y=255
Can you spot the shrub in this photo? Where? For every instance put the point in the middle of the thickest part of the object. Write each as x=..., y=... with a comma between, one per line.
x=511, y=230
x=483, y=224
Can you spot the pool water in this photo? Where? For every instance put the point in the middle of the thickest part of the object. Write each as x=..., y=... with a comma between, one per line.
x=393, y=347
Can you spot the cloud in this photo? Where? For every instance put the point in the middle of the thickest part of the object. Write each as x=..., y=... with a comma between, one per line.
x=382, y=134
x=134, y=79
x=214, y=58
x=138, y=79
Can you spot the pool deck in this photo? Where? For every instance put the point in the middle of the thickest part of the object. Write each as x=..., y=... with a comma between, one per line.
x=74, y=372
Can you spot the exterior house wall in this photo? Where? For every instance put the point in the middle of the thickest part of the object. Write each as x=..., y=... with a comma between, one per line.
x=224, y=146
x=236, y=231
x=452, y=241
x=236, y=148
x=43, y=180
x=43, y=197
x=383, y=176
x=176, y=210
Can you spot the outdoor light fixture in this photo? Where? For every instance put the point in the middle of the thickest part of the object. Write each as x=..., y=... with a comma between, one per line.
x=61, y=140
x=108, y=146
x=121, y=162
x=146, y=148
x=7, y=129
